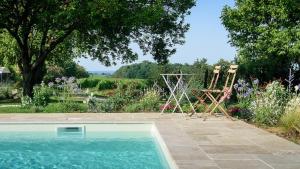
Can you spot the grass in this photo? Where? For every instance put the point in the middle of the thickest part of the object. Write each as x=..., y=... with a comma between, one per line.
x=70, y=107
x=279, y=131
x=16, y=110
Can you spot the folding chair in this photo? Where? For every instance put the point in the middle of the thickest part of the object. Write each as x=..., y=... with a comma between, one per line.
x=213, y=83
x=222, y=95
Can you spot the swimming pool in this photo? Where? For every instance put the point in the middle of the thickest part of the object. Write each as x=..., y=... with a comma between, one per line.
x=82, y=146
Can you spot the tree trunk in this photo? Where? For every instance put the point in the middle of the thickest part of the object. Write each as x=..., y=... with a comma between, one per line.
x=27, y=83
x=31, y=78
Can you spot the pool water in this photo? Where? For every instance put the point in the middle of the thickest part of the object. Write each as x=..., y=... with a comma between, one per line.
x=95, y=150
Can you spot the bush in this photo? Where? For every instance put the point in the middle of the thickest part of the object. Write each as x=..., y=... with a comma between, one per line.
x=92, y=103
x=26, y=102
x=292, y=105
x=105, y=84
x=66, y=107
x=5, y=91
x=240, y=112
x=150, y=101
x=41, y=95
x=88, y=82
x=269, y=105
x=132, y=108
x=291, y=122
x=291, y=118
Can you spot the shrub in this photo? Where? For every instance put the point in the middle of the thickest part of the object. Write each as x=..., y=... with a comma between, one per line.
x=240, y=112
x=92, y=103
x=105, y=84
x=269, y=105
x=64, y=87
x=291, y=118
x=292, y=105
x=41, y=95
x=26, y=102
x=168, y=107
x=150, y=101
x=106, y=106
x=65, y=107
x=5, y=91
x=136, y=107
x=88, y=82
x=291, y=122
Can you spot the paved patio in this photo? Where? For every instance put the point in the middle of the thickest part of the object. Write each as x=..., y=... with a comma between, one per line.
x=217, y=143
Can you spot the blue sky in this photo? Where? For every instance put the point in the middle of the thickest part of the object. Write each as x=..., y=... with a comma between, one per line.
x=207, y=38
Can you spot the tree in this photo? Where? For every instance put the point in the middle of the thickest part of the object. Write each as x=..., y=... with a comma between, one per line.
x=67, y=69
x=101, y=29
x=267, y=36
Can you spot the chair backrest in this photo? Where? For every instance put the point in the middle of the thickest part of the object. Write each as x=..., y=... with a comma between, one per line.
x=215, y=78
x=230, y=77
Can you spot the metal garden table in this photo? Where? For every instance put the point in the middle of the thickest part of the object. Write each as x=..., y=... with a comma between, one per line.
x=178, y=85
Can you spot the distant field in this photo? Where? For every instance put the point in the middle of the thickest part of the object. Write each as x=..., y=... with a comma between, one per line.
x=101, y=82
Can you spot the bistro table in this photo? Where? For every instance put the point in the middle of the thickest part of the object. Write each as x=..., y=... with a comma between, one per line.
x=177, y=85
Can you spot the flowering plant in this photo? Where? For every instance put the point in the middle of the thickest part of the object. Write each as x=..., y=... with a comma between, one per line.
x=246, y=93
x=269, y=106
x=64, y=87
x=91, y=101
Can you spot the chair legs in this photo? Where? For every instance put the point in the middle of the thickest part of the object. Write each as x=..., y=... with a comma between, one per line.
x=216, y=104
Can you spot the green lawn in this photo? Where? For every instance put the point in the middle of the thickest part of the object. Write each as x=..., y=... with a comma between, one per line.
x=58, y=107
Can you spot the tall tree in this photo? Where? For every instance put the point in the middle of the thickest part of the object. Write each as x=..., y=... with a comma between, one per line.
x=267, y=36
x=101, y=29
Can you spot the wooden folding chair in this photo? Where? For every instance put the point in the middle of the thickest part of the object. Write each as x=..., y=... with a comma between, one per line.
x=203, y=96
x=222, y=95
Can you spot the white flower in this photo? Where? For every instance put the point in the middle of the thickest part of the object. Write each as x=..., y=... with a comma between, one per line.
x=296, y=88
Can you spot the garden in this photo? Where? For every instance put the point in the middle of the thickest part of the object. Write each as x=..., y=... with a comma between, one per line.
x=272, y=106
x=39, y=46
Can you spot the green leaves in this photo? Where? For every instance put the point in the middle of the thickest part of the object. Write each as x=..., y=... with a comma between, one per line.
x=265, y=34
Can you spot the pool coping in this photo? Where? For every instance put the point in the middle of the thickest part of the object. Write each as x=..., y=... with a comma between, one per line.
x=217, y=143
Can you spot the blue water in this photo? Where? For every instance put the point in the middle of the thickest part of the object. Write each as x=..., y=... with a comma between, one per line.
x=94, y=151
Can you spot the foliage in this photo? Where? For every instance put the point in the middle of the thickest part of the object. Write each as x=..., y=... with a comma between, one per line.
x=5, y=91
x=144, y=70
x=67, y=69
x=168, y=107
x=64, y=87
x=243, y=92
x=291, y=119
x=269, y=105
x=133, y=108
x=102, y=29
x=16, y=110
x=266, y=34
x=65, y=107
x=151, y=71
x=92, y=103
x=41, y=95
x=292, y=105
x=104, y=83
x=90, y=82
x=26, y=102
x=240, y=112
x=150, y=101
x=125, y=94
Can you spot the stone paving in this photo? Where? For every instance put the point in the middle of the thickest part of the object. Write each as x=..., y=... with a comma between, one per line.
x=217, y=143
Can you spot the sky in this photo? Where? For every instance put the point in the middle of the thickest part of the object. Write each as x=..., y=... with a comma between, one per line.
x=206, y=38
